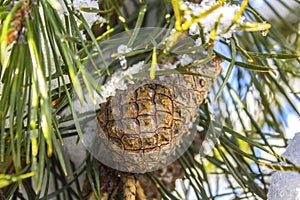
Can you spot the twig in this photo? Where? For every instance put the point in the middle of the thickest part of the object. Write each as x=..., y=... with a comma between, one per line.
x=129, y=187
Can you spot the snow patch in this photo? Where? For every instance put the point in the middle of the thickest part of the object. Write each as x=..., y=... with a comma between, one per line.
x=286, y=185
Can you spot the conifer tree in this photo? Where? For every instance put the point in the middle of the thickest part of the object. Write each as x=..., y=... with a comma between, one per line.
x=50, y=52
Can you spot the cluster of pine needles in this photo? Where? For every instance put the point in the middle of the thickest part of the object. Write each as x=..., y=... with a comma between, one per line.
x=42, y=51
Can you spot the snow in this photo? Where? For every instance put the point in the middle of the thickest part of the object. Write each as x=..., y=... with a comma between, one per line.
x=123, y=49
x=185, y=60
x=119, y=81
x=90, y=17
x=286, y=185
x=226, y=12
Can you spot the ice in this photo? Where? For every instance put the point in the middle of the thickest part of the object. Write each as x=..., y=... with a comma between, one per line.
x=286, y=185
